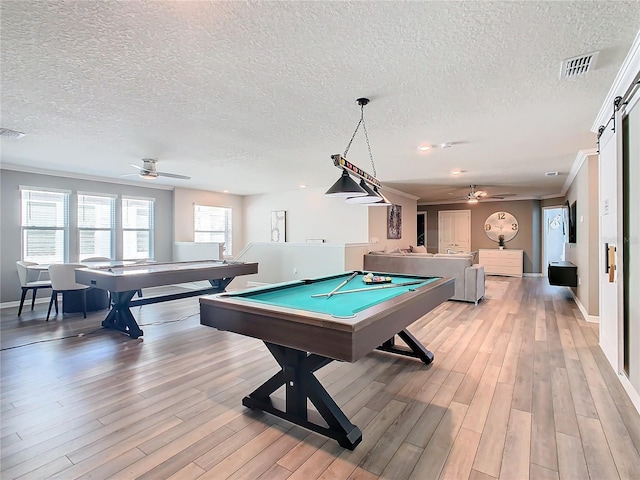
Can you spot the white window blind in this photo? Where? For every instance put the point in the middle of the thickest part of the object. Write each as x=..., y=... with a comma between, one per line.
x=96, y=225
x=44, y=225
x=213, y=224
x=137, y=228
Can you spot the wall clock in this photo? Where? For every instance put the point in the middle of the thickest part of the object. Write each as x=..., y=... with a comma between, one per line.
x=501, y=223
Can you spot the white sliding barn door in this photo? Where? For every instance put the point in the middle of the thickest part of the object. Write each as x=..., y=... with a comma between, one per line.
x=631, y=243
x=609, y=192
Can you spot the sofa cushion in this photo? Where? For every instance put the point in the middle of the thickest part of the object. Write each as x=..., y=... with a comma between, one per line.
x=418, y=249
x=454, y=266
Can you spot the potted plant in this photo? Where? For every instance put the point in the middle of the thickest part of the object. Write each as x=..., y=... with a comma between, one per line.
x=501, y=242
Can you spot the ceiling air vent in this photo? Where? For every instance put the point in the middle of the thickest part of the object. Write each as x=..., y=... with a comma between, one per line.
x=572, y=67
x=8, y=133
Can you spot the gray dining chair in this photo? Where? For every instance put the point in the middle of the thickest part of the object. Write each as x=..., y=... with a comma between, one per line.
x=98, y=259
x=27, y=283
x=63, y=279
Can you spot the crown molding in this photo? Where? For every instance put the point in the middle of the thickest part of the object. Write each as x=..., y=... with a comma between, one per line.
x=575, y=168
x=398, y=192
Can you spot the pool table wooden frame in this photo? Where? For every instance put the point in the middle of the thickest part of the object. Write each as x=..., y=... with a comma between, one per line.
x=303, y=342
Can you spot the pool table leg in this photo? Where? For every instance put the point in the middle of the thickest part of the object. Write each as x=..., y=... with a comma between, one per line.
x=301, y=384
x=417, y=349
x=120, y=317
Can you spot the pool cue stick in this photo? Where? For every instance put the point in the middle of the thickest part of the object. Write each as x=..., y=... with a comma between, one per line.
x=377, y=287
x=351, y=277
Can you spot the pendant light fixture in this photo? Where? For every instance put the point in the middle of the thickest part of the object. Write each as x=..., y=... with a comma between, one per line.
x=345, y=187
x=367, y=192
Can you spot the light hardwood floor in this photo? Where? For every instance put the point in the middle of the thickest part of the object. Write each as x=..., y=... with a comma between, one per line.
x=519, y=389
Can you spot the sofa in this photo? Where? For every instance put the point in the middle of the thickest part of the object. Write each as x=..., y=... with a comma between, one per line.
x=469, y=277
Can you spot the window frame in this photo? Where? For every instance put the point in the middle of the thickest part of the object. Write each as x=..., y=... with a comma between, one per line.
x=66, y=220
x=227, y=233
x=150, y=229
x=111, y=229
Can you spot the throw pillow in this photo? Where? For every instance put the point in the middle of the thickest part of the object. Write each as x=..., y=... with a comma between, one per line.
x=418, y=249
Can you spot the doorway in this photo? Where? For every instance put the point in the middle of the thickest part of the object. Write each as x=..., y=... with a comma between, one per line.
x=454, y=231
x=421, y=229
x=556, y=231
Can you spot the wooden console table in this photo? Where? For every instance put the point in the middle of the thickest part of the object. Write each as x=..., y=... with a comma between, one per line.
x=501, y=262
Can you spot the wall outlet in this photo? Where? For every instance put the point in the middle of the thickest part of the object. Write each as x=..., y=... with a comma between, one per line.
x=295, y=271
x=579, y=280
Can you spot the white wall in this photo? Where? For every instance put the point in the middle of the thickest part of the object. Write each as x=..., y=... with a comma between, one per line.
x=183, y=206
x=378, y=223
x=584, y=253
x=283, y=262
x=310, y=215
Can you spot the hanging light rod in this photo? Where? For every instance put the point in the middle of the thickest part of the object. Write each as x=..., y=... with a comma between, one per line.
x=341, y=162
x=346, y=186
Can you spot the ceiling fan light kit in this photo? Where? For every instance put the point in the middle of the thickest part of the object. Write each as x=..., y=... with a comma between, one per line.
x=367, y=192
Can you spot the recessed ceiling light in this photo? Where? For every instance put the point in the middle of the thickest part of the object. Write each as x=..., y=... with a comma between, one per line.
x=424, y=148
x=225, y=191
x=551, y=174
x=302, y=185
x=456, y=172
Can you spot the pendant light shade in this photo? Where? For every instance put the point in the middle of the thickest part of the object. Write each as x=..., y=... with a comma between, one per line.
x=346, y=187
x=370, y=197
x=383, y=202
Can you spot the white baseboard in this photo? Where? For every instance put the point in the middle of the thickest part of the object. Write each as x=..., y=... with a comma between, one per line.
x=585, y=314
x=634, y=395
x=532, y=275
x=27, y=302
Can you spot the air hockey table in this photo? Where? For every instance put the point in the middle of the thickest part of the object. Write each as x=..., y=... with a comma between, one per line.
x=123, y=281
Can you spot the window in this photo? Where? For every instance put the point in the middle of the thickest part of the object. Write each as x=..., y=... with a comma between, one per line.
x=212, y=224
x=137, y=228
x=44, y=225
x=96, y=225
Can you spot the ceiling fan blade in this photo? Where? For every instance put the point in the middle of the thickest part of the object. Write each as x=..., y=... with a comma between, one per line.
x=173, y=175
x=502, y=195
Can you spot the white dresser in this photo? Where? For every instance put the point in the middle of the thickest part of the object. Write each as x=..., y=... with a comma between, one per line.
x=501, y=262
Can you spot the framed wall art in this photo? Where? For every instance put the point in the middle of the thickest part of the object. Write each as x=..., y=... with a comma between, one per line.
x=394, y=221
x=279, y=226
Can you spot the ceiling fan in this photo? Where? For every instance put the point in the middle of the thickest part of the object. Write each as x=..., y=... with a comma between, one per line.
x=474, y=195
x=149, y=171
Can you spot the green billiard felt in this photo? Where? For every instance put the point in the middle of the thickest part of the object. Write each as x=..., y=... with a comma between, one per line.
x=299, y=295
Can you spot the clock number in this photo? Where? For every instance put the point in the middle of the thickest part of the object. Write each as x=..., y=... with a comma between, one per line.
x=487, y=227
x=502, y=215
x=514, y=226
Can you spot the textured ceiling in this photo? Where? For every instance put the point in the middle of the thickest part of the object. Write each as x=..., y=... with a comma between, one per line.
x=254, y=97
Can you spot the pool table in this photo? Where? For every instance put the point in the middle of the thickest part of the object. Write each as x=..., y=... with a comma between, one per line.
x=123, y=281
x=305, y=329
